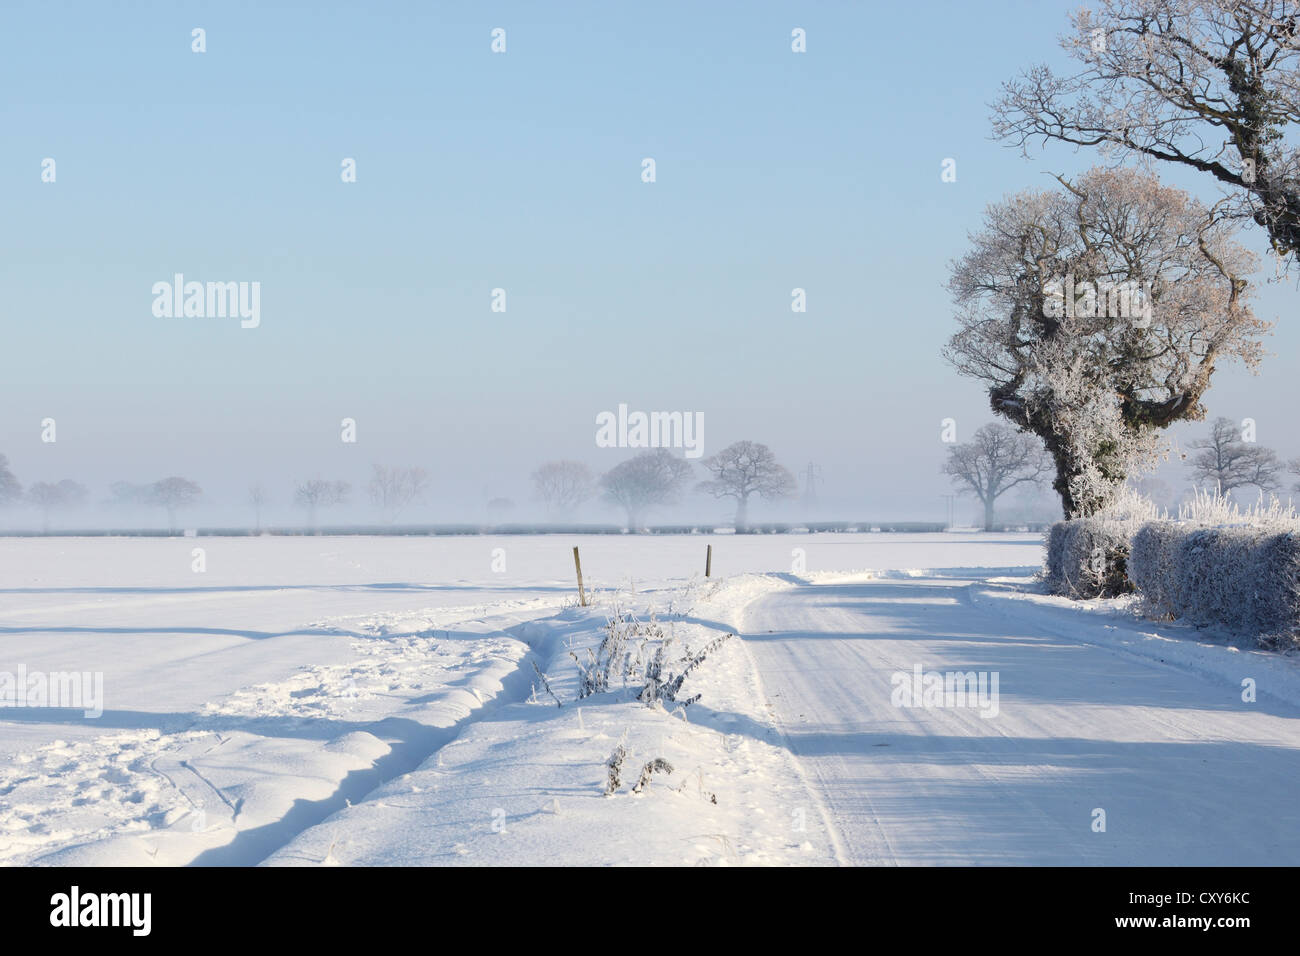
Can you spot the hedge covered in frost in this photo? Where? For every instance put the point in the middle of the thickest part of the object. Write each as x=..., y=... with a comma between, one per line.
x=1088, y=558
x=1242, y=578
x=1054, y=573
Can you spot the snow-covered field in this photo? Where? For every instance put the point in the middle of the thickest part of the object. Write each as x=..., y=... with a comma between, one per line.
x=374, y=700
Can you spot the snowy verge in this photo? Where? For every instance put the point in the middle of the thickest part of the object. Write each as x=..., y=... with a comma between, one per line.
x=528, y=786
x=1114, y=623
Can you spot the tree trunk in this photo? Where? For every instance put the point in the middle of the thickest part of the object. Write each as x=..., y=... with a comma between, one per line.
x=1066, y=469
x=988, y=513
x=742, y=514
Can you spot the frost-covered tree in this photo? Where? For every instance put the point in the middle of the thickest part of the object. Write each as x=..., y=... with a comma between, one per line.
x=564, y=485
x=48, y=496
x=646, y=481
x=11, y=490
x=317, y=493
x=172, y=494
x=1096, y=315
x=1264, y=469
x=1209, y=85
x=744, y=469
x=392, y=490
x=1224, y=460
x=995, y=460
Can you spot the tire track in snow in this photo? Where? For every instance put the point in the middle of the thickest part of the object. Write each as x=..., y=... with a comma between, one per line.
x=837, y=842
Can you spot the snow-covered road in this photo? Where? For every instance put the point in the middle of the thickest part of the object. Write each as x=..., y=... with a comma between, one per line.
x=1185, y=771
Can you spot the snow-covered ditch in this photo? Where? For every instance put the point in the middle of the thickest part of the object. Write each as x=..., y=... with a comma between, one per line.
x=258, y=765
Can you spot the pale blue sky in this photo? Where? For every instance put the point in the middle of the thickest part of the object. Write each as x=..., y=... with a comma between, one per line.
x=520, y=171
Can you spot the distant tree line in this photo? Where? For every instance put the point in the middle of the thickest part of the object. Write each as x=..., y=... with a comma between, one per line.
x=657, y=478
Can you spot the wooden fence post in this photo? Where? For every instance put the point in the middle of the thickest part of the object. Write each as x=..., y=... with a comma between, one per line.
x=708, y=561
x=582, y=595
